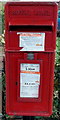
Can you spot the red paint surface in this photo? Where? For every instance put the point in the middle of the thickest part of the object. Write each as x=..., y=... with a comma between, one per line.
x=30, y=17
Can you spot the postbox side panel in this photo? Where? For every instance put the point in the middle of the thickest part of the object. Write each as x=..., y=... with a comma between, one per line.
x=28, y=106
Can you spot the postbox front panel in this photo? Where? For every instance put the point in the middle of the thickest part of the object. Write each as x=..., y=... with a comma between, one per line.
x=30, y=51
x=29, y=88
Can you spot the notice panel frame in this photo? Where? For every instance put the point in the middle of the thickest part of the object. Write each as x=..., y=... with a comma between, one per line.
x=40, y=86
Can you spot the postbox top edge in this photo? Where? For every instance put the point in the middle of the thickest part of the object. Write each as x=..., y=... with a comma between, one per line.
x=31, y=3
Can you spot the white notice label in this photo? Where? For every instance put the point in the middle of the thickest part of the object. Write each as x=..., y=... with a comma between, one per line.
x=32, y=41
x=29, y=80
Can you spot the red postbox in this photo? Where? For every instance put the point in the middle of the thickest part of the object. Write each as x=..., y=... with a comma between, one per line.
x=30, y=52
